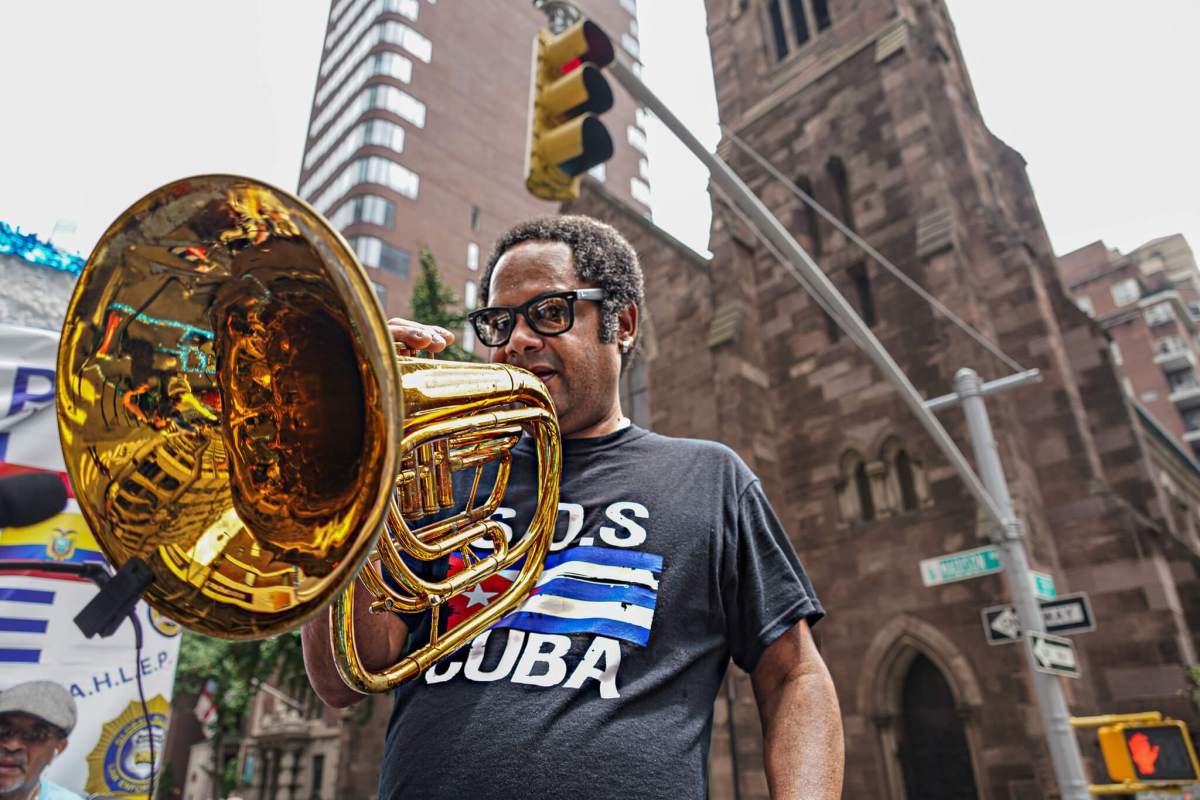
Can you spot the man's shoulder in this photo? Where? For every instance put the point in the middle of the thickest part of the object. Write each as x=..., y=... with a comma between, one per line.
x=52, y=791
x=701, y=453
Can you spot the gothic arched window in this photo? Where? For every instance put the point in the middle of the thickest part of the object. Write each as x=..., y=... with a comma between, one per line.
x=862, y=487
x=854, y=489
x=905, y=482
x=836, y=171
x=805, y=221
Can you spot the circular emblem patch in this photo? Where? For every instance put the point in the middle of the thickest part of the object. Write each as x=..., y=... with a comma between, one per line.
x=162, y=623
x=120, y=763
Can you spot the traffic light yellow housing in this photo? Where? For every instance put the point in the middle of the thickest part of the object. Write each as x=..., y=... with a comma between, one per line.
x=566, y=137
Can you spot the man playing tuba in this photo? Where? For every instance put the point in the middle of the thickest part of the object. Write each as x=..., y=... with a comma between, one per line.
x=668, y=561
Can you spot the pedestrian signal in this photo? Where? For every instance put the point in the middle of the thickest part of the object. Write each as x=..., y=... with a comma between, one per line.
x=1152, y=753
x=566, y=137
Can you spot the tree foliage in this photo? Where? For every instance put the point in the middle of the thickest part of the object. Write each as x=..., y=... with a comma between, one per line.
x=236, y=666
x=434, y=303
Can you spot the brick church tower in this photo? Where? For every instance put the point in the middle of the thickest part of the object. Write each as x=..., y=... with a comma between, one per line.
x=867, y=105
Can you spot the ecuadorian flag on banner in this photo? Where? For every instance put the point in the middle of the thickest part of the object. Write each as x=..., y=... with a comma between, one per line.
x=62, y=538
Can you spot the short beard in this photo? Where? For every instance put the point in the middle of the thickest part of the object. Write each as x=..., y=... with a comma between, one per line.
x=10, y=789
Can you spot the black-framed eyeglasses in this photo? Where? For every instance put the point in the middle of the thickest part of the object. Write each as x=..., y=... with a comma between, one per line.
x=549, y=314
x=35, y=734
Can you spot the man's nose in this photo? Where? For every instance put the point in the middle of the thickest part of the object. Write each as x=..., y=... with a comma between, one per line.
x=524, y=338
x=12, y=742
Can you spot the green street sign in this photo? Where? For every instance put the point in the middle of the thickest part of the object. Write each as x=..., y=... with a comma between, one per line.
x=960, y=566
x=1043, y=585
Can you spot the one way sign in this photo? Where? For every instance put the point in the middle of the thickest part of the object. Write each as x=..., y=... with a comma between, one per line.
x=1053, y=654
x=1066, y=614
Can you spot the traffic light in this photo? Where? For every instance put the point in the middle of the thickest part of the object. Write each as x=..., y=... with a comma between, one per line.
x=1151, y=753
x=566, y=137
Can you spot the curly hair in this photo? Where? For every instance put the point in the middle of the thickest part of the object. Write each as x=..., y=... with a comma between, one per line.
x=602, y=256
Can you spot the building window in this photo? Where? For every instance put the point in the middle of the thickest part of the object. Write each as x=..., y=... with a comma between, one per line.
x=799, y=21
x=841, y=186
x=805, y=221
x=367, y=208
x=862, y=288
x=474, y=218
x=470, y=298
x=862, y=487
x=1125, y=292
x=1158, y=314
x=472, y=255
x=778, y=34
x=374, y=252
x=1085, y=305
x=640, y=190
x=381, y=293
x=820, y=9
x=318, y=775
x=792, y=23
x=373, y=169
x=832, y=331
x=637, y=138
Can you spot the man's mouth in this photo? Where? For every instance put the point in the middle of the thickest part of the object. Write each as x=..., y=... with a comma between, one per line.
x=544, y=374
x=9, y=768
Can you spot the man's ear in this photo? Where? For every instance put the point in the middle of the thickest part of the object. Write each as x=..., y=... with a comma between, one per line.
x=62, y=745
x=627, y=327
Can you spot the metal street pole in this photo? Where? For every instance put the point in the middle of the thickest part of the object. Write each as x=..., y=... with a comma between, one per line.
x=810, y=276
x=1056, y=720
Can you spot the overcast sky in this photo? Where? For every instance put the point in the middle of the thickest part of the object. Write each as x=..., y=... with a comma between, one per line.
x=108, y=100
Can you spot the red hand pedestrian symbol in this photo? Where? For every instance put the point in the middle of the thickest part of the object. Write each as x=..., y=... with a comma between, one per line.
x=1144, y=754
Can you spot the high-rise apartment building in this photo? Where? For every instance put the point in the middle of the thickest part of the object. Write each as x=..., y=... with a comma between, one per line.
x=1148, y=301
x=418, y=132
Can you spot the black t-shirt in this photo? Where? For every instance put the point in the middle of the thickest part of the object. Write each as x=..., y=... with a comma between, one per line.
x=667, y=562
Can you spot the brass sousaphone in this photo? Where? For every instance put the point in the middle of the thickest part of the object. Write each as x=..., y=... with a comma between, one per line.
x=233, y=413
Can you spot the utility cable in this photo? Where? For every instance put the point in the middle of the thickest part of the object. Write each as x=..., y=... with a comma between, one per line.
x=849, y=233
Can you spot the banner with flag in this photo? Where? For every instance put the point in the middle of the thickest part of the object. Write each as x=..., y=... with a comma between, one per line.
x=109, y=751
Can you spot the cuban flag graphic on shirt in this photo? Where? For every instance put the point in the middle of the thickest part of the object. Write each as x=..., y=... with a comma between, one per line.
x=589, y=590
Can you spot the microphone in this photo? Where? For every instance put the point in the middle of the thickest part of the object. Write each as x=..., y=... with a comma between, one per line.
x=30, y=498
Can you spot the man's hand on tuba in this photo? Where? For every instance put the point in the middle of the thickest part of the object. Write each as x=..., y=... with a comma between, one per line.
x=415, y=336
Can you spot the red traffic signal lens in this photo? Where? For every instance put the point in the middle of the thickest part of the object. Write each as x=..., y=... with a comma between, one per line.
x=1160, y=752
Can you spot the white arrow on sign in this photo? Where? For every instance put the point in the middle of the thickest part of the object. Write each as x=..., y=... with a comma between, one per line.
x=1053, y=654
x=1007, y=624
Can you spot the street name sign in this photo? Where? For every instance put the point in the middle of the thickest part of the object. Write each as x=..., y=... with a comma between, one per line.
x=960, y=566
x=1053, y=655
x=1064, y=616
x=1043, y=585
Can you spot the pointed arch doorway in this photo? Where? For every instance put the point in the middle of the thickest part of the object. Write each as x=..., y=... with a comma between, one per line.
x=935, y=758
x=925, y=702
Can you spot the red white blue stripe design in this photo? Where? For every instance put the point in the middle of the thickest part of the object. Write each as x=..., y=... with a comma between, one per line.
x=596, y=590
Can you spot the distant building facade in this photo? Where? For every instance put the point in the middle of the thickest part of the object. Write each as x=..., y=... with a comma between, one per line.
x=1148, y=301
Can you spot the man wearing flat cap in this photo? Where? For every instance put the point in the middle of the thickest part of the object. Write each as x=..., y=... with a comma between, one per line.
x=36, y=718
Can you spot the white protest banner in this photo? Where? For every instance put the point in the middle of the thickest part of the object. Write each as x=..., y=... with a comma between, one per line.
x=110, y=750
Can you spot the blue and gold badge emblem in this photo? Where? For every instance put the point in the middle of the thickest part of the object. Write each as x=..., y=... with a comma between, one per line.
x=120, y=763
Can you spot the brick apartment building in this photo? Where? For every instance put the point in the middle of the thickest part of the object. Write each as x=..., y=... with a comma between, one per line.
x=1148, y=301
x=868, y=104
